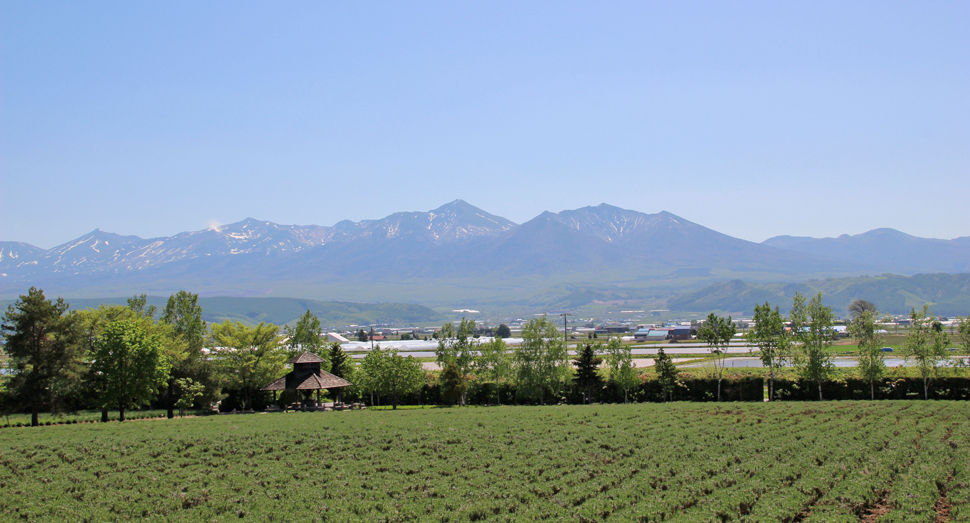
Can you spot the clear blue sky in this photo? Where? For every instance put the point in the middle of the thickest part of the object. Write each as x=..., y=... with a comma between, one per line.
x=752, y=118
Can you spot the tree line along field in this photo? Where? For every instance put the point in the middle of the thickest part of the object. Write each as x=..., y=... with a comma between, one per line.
x=787, y=462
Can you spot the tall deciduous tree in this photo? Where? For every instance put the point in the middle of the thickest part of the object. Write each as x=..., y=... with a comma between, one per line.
x=540, y=361
x=587, y=376
x=46, y=358
x=717, y=333
x=666, y=373
x=964, y=330
x=305, y=335
x=619, y=361
x=926, y=346
x=871, y=363
x=132, y=364
x=184, y=315
x=386, y=373
x=812, y=328
x=457, y=346
x=453, y=384
x=188, y=393
x=772, y=341
x=858, y=307
x=503, y=331
x=139, y=304
x=93, y=323
x=493, y=363
x=249, y=357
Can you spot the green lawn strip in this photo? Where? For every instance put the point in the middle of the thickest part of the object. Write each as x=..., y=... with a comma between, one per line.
x=84, y=416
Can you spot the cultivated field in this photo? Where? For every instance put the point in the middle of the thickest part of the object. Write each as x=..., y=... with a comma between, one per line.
x=831, y=462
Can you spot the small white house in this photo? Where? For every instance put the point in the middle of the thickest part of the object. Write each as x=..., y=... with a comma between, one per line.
x=333, y=336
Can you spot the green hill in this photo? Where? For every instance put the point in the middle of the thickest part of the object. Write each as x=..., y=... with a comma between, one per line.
x=946, y=294
x=281, y=311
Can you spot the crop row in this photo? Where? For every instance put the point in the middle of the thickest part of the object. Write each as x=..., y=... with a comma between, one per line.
x=677, y=462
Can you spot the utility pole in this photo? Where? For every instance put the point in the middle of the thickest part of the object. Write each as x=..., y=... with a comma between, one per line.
x=565, y=334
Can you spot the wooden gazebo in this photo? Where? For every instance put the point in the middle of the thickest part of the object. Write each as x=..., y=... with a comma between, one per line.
x=307, y=376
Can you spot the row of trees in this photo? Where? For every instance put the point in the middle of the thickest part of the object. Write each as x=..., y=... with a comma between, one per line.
x=123, y=357
x=803, y=341
x=539, y=367
x=109, y=357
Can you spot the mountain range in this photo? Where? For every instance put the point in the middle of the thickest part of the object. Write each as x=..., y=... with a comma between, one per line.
x=456, y=253
x=886, y=250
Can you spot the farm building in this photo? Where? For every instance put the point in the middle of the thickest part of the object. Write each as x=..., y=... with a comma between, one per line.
x=681, y=333
x=646, y=334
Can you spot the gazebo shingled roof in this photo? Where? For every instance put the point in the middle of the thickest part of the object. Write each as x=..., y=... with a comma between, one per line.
x=308, y=381
x=306, y=357
x=307, y=375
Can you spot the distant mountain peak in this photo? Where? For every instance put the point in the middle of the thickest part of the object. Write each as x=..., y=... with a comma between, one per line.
x=456, y=204
x=884, y=249
x=621, y=226
x=101, y=235
x=605, y=206
x=882, y=232
x=458, y=239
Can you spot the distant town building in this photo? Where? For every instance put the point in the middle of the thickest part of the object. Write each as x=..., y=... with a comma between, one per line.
x=612, y=329
x=333, y=336
x=681, y=333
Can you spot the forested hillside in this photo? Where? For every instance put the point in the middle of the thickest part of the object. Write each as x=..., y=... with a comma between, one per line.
x=946, y=294
x=280, y=311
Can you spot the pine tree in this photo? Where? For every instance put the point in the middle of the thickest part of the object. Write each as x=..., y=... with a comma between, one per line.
x=587, y=371
x=46, y=356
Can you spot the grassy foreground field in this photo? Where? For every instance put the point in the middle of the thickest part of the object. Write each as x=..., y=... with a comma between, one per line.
x=831, y=462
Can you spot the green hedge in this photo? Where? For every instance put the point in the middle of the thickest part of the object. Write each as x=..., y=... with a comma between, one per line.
x=886, y=389
x=744, y=389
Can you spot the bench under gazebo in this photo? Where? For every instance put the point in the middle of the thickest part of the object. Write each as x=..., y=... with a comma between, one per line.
x=307, y=377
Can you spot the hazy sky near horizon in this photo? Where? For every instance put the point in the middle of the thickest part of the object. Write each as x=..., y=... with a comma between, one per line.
x=755, y=119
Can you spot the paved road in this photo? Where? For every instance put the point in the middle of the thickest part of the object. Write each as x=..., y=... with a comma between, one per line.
x=639, y=363
x=426, y=349
x=738, y=363
x=734, y=363
x=635, y=352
